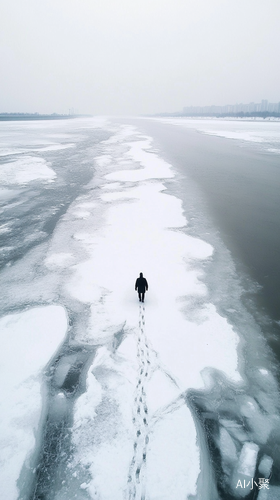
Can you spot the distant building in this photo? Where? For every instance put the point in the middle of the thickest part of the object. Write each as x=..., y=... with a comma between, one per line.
x=251, y=108
x=264, y=105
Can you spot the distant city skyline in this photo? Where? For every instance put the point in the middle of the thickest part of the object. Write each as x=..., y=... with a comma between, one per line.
x=252, y=107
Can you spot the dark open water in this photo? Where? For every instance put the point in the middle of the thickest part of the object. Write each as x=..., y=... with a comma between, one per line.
x=240, y=185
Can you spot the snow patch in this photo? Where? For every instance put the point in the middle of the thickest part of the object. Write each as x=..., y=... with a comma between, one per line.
x=28, y=340
x=58, y=260
x=26, y=169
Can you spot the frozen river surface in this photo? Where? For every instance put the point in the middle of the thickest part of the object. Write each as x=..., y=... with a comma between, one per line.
x=102, y=397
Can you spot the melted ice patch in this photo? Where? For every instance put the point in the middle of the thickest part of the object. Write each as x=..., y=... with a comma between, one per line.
x=7, y=194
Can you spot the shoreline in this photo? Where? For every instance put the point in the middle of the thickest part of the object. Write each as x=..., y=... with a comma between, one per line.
x=30, y=117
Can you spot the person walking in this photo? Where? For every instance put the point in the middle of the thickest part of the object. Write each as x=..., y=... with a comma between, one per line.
x=141, y=285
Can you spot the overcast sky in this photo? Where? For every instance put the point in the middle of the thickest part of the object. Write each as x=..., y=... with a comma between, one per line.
x=137, y=56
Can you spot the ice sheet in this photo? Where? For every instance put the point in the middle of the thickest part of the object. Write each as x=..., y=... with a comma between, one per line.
x=26, y=169
x=134, y=430
x=28, y=340
x=144, y=229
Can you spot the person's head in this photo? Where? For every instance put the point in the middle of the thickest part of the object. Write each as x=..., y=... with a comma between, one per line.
x=141, y=275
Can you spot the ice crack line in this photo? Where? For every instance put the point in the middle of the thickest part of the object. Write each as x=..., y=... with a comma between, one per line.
x=136, y=478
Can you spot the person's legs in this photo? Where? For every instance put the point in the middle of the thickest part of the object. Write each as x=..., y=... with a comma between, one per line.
x=139, y=295
x=143, y=296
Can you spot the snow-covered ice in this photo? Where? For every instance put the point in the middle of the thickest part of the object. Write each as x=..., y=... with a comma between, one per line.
x=28, y=341
x=155, y=371
x=143, y=229
x=26, y=170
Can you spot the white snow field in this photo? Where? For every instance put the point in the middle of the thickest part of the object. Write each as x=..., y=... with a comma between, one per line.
x=133, y=434
x=28, y=341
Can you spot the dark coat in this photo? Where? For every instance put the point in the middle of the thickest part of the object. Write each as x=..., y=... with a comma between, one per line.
x=141, y=284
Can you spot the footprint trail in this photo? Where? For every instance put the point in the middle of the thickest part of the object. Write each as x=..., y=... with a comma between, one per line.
x=136, y=478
